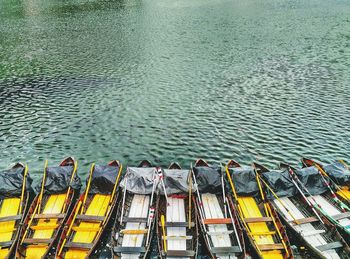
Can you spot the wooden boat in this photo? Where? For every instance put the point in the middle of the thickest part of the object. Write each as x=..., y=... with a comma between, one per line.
x=46, y=215
x=342, y=190
x=90, y=216
x=133, y=228
x=312, y=229
x=216, y=214
x=261, y=223
x=12, y=211
x=177, y=228
x=330, y=205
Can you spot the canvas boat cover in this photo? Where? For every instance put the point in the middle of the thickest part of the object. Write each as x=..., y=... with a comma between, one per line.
x=244, y=180
x=176, y=181
x=338, y=173
x=311, y=179
x=103, y=179
x=208, y=179
x=11, y=182
x=58, y=180
x=139, y=180
x=280, y=182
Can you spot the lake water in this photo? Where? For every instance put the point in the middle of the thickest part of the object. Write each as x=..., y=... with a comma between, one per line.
x=174, y=80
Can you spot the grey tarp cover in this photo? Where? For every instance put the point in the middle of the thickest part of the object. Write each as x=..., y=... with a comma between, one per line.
x=338, y=173
x=103, y=179
x=138, y=180
x=244, y=180
x=208, y=179
x=11, y=182
x=280, y=182
x=176, y=181
x=58, y=180
x=312, y=180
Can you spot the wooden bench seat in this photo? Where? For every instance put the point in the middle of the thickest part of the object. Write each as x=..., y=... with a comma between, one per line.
x=258, y=219
x=218, y=221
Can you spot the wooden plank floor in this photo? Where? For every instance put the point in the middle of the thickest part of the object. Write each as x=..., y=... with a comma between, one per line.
x=139, y=209
x=213, y=210
x=330, y=209
x=176, y=213
x=304, y=229
x=9, y=207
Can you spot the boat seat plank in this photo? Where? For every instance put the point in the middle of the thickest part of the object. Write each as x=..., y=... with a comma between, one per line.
x=177, y=224
x=180, y=253
x=134, y=231
x=30, y=241
x=8, y=207
x=265, y=247
x=315, y=232
x=258, y=219
x=10, y=218
x=50, y=216
x=218, y=221
x=226, y=250
x=135, y=219
x=305, y=220
x=129, y=249
x=77, y=245
x=178, y=237
x=6, y=244
x=92, y=218
x=342, y=215
x=329, y=246
x=219, y=233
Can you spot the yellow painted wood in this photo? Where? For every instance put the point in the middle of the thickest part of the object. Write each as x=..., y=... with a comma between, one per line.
x=46, y=227
x=9, y=207
x=344, y=193
x=97, y=207
x=250, y=209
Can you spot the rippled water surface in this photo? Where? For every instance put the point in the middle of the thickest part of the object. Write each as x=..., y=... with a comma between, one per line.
x=172, y=80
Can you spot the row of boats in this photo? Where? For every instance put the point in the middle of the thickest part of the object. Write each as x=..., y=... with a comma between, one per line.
x=236, y=211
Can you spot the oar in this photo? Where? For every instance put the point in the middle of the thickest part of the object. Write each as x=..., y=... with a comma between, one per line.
x=151, y=209
x=234, y=226
x=294, y=176
x=23, y=188
x=189, y=199
x=223, y=194
x=278, y=199
x=334, y=196
x=164, y=234
x=42, y=186
x=124, y=197
x=87, y=187
x=76, y=212
x=70, y=182
x=113, y=193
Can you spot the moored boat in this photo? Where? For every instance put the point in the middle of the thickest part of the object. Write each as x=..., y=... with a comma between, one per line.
x=216, y=214
x=309, y=227
x=261, y=223
x=320, y=193
x=177, y=228
x=15, y=190
x=134, y=224
x=59, y=188
x=338, y=173
x=90, y=216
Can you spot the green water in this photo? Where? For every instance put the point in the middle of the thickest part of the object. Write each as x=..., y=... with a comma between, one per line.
x=170, y=80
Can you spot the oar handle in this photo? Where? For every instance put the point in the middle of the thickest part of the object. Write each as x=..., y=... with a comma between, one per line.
x=162, y=220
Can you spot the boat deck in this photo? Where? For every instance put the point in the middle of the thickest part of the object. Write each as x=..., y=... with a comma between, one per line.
x=305, y=230
x=45, y=228
x=175, y=212
x=330, y=209
x=259, y=230
x=212, y=210
x=139, y=209
x=87, y=231
x=9, y=207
